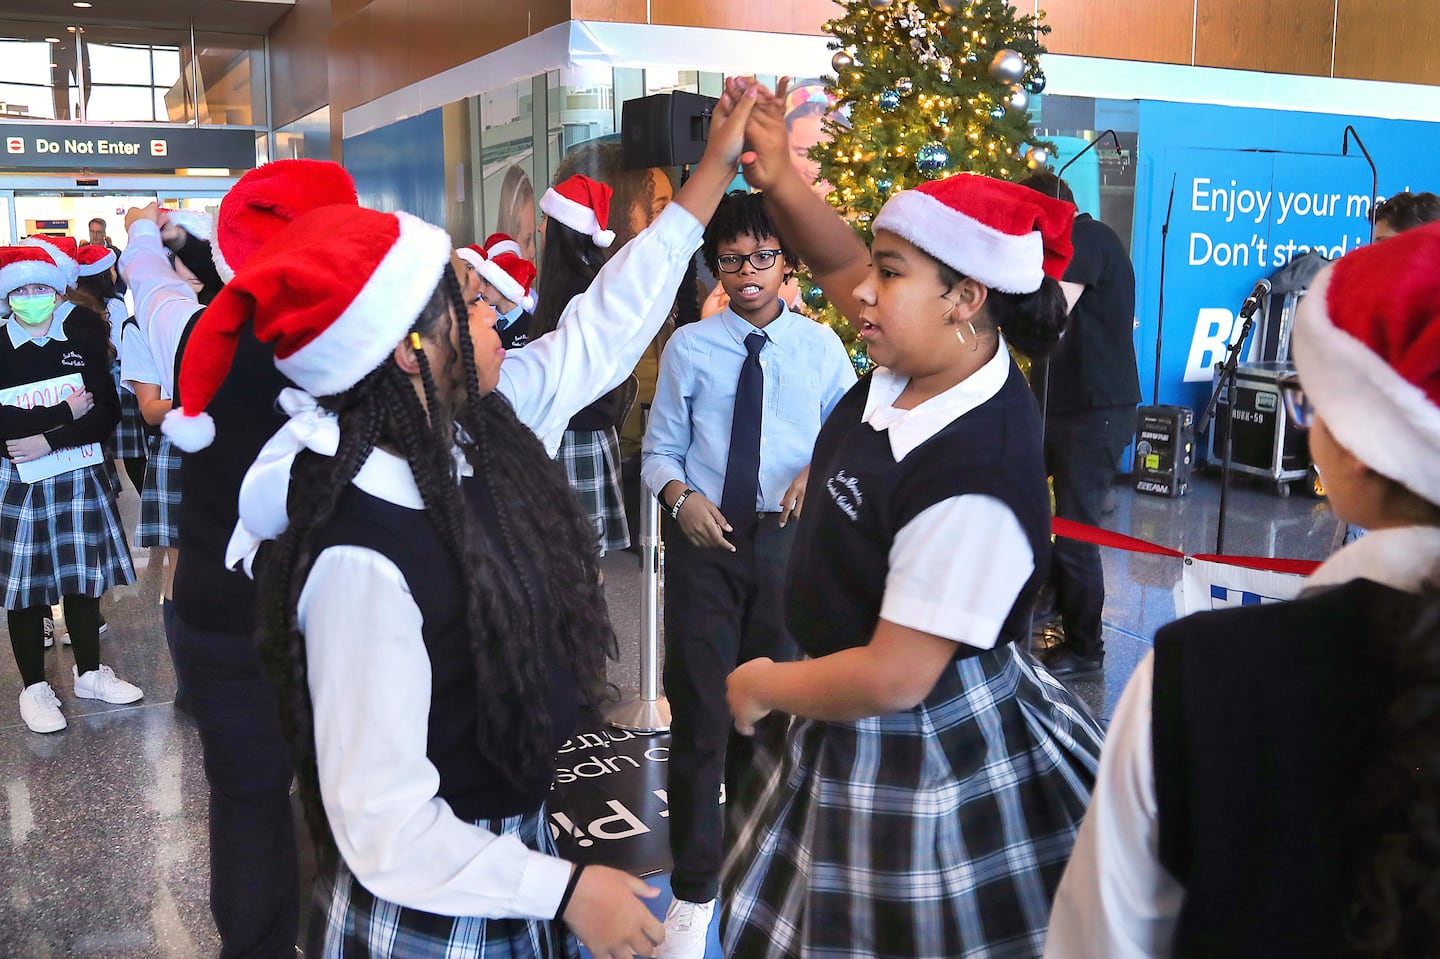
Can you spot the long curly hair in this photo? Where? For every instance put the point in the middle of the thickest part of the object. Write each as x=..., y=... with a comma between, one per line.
x=1394, y=858
x=530, y=585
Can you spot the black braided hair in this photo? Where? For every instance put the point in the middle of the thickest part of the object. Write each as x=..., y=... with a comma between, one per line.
x=517, y=623
x=1394, y=859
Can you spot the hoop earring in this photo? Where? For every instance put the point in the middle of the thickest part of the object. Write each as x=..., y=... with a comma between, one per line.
x=960, y=336
x=974, y=337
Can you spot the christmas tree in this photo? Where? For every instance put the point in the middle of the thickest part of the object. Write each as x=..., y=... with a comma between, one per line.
x=931, y=88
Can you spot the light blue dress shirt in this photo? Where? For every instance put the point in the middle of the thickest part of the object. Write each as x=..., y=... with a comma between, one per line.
x=688, y=438
x=503, y=320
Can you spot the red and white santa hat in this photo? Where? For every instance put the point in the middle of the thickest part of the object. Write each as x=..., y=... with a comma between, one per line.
x=95, y=259
x=1001, y=234
x=497, y=243
x=513, y=277
x=583, y=205
x=23, y=265
x=63, y=250
x=1367, y=348
x=265, y=200
x=473, y=255
x=331, y=327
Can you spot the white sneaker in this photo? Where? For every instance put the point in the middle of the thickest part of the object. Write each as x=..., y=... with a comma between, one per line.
x=49, y=631
x=686, y=926
x=103, y=684
x=40, y=709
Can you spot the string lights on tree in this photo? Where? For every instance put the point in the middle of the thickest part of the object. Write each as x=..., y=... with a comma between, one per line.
x=932, y=87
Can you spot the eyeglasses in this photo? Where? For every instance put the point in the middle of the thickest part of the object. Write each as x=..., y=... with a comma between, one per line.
x=760, y=259
x=1297, y=405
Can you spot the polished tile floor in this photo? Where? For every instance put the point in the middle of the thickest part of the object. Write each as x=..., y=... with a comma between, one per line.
x=103, y=826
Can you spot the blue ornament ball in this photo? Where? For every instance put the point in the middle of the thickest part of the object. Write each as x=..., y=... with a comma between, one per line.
x=932, y=158
x=884, y=185
x=1036, y=84
x=861, y=361
x=889, y=100
x=814, y=297
x=997, y=113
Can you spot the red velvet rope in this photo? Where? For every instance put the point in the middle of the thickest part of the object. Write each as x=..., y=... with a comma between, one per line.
x=1113, y=540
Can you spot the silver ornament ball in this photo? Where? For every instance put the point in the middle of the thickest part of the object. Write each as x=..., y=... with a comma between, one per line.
x=951, y=6
x=904, y=86
x=881, y=4
x=842, y=61
x=1019, y=99
x=1007, y=66
x=1036, y=157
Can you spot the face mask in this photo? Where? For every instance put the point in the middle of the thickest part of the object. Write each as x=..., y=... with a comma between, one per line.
x=35, y=309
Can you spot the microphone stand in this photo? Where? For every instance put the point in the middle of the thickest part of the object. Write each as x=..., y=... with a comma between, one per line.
x=1374, y=177
x=1160, y=319
x=1090, y=146
x=1226, y=385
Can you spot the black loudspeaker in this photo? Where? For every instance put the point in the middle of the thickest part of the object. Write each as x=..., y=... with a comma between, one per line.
x=667, y=129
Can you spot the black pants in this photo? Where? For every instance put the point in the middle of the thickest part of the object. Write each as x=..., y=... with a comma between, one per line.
x=721, y=609
x=254, y=884
x=1082, y=451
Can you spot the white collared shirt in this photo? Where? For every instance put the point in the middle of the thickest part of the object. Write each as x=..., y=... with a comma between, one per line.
x=957, y=567
x=372, y=714
x=1115, y=899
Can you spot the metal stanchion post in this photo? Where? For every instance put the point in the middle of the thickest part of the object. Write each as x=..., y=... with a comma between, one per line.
x=646, y=711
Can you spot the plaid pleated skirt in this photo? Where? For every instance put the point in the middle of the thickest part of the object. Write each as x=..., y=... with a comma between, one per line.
x=353, y=923
x=160, y=498
x=939, y=831
x=130, y=439
x=59, y=537
x=592, y=464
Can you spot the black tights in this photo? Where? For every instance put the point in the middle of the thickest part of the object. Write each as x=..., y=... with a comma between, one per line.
x=27, y=636
x=135, y=469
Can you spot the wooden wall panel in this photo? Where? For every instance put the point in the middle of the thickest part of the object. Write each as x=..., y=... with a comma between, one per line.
x=299, y=68
x=769, y=16
x=609, y=11
x=1281, y=36
x=1395, y=41
x=1156, y=30
x=340, y=9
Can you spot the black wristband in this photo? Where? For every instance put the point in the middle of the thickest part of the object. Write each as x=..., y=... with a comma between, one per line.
x=569, y=889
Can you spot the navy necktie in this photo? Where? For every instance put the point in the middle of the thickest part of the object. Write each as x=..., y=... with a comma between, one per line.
x=742, y=468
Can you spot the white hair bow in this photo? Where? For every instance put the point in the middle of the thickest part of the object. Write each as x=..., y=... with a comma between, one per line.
x=265, y=490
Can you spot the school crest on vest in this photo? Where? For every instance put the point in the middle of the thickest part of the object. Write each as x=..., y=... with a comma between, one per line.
x=844, y=489
x=72, y=358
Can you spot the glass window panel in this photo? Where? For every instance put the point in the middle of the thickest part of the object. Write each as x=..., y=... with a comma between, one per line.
x=166, y=65
x=120, y=103
x=507, y=163
x=26, y=101
x=24, y=61
x=118, y=63
x=232, y=79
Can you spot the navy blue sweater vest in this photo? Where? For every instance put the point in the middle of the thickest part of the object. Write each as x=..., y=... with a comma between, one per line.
x=1264, y=719
x=860, y=498
x=473, y=786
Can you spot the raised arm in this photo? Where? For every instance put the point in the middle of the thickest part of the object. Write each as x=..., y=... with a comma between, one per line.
x=831, y=251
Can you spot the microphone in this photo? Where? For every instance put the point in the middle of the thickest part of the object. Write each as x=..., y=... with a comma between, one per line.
x=1253, y=301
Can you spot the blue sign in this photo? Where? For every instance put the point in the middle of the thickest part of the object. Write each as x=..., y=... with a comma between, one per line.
x=1253, y=189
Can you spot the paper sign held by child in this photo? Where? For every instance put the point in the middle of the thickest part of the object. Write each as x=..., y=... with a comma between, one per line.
x=48, y=393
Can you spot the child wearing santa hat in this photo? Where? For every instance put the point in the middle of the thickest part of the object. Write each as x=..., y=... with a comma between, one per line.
x=507, y=284
x=60, y=536
x=933, y=776
x=1269, y=781
x=452, y=758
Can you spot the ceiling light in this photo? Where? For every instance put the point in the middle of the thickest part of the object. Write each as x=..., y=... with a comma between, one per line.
x=82, y=4
x=52, y=39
